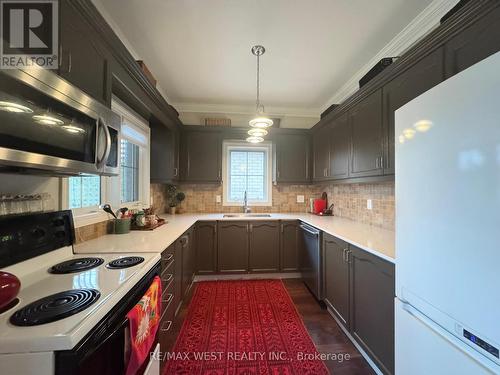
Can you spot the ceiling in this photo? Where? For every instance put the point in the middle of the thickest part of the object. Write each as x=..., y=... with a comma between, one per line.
x=199, y=50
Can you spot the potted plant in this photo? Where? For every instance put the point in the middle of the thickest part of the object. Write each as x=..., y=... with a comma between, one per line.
x=174, y=198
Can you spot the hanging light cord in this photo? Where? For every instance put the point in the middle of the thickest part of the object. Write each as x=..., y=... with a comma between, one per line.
x=259, y=107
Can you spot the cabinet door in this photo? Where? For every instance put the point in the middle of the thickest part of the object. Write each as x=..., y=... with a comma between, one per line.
x=164, y=154
x=290, y=255
x=339, y=150
x=372, y=306
x=233, y=246
x=366, y=135
x=264, y=246
x=83, y=62
x=201, y=156
x=187, y=262
x=422, y=76
x=336, y=273
x=473, y=44
x=292, y=158
x=177, y=248
x=321, y=152
x=206, y=247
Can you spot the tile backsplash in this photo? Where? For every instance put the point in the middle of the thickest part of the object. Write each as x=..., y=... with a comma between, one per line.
x=200, y=198
x=91, y=231
x=350, y=200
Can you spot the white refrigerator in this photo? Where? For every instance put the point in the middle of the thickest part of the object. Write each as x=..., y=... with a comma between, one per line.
x=448, y=226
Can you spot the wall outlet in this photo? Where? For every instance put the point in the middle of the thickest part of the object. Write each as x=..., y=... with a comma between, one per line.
x=300, y=199
x=218, y=199
x=369, y=204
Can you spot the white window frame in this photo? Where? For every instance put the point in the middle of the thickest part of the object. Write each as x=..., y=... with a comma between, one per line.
x=111, y=186
x=137, y=125
x=227, y=147
x=84, y=215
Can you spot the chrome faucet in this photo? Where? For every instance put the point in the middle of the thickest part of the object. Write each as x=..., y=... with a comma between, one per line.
x=246, y=208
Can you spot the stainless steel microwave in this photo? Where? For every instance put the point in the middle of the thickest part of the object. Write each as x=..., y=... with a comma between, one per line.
x=49, y=126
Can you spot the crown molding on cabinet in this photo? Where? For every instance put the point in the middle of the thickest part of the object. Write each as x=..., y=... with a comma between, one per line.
x=421, y=25
x=245, y=110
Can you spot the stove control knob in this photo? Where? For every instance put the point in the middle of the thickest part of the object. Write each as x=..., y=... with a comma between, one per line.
x=38, y=233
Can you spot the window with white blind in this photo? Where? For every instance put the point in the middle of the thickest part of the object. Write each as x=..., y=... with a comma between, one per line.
x=246, y=168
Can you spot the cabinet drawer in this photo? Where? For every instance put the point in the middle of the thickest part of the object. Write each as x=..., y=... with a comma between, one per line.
x=167, y=297
x=166, y=258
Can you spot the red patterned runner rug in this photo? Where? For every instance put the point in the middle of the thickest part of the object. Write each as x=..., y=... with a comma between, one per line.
x=243, y=327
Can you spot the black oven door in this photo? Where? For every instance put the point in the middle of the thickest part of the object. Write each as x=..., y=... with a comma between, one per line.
x=104, y=350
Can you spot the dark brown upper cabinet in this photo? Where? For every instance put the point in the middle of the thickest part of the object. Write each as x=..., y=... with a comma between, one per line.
x=164, y=154
x=233, y=249
x=321, y=153
x=83, y=60
x=372, y=306
x=425, y=74
x=292, y=158
x=201, y=156
x=366, y=135
x=264, y=246
x=289, y=246
x=206, y=247
x=336, y=277
x=340, y=147
x=473, y=44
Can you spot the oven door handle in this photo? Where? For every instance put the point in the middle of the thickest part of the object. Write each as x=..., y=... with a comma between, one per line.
x=120, y=327
x=102, y=162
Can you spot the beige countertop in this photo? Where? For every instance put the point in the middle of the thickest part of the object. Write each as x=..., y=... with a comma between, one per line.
x=375, y=240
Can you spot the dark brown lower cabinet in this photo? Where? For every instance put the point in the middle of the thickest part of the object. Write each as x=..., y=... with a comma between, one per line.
x=170, y=297
x=188, y=267
x=206, y=247
x=336, y=277
x=372, y=306
x=359, y=292
x=289, y=246
x=264, y=246
x=177, y=248
x=232, y=254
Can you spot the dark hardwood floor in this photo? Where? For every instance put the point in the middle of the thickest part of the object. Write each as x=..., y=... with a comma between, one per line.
x=323, y=329
x=325, y=332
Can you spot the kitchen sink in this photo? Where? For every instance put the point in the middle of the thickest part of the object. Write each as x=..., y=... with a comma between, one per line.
x=247, y=215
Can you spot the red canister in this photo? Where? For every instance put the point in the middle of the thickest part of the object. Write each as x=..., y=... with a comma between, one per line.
x=319, y=205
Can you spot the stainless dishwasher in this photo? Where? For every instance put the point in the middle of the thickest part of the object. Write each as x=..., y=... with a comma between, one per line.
x=311, y=261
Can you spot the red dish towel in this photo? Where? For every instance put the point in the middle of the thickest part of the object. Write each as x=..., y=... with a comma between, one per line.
x=144, y=320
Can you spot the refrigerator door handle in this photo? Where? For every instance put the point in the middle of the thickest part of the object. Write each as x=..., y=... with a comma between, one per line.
x=452, y=339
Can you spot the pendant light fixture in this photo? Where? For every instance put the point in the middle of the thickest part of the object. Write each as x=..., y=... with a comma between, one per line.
x=257, y=132
x=260, y=122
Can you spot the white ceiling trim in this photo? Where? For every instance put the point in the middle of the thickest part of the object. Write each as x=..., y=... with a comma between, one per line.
x=421, y=25
x=245, y=110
